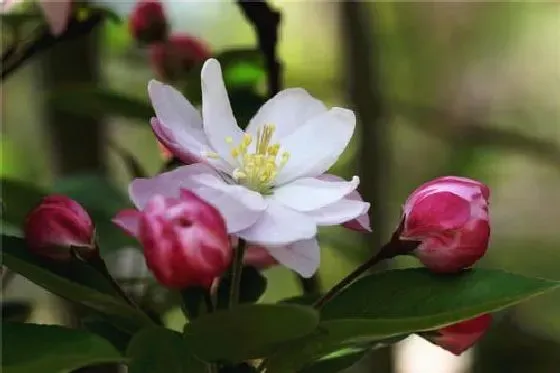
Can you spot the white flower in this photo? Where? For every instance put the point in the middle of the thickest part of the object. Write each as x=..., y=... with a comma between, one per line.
x=268, y=182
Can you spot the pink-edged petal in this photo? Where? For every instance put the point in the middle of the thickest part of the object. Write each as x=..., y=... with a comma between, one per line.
x=287, y=111
x=338, y=212
x=304, y=257
x=435, y=213
x=168, y=140
x=258, y=257
x=315, y=147
x=279, y=225
x=129, y=221
x=178, y=125
x=57, y=13
x=239, y=206
x=220, y=125
x=309, y=194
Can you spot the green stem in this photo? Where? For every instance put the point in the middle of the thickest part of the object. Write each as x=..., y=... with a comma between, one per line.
x=236, y=269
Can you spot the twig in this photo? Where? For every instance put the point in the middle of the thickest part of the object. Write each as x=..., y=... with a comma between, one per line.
x=236, y=269
x=265, y=21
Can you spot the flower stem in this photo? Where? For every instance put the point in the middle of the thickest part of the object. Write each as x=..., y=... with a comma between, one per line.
x=390, y=250
x=236, y=269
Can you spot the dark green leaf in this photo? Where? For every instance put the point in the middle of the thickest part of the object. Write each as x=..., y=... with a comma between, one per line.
x=335, y=362
x=252, y=287
x=85, y=100
x=194, y=301
x=305, y=300
x=241, y=67
x=106, y=330
x=52, y=349
x=248, y=331
x=419, y=300
x=102, y=200
x=395, y=302
x=77, y=282
x=18, y=199
x=239, y=368
x=16, y=311
x=160, y=350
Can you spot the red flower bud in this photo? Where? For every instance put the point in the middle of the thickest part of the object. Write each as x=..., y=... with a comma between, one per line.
x=459, y=337
x=147, y=22
x=59, y=222
x=176, y=56
x=185, y=240
x=449, y=215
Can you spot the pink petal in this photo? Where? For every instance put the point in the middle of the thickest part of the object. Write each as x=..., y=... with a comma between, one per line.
x=129, y=221
x=57, y=13
x=166, y=138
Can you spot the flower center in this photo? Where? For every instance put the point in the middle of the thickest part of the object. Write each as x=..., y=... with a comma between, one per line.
x=258, y=166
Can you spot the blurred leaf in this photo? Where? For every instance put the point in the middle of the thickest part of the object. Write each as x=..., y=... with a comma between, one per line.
x=252, y=287
x=17, y=19
x=18, y=198
x=160, y=350
x=52, y=349
x=386, y=304
x=245, y=103
x=16, y=311
x=97, y=325
x=239, y=368
x=92, y=101
x=102, y=200
x=132, y=164
x=75, y=281
x=241, y=67
x=193, y=301
x=335, y=362
x=248, y=331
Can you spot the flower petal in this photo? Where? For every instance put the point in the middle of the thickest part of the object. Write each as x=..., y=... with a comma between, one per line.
x=57, y=14
x=308, y=194
x=239, y=206
x=178, y=125
x=167, y=139
x=279, y=225
x=219, y=123
x=315, y=146
x=287, y=110
x=129, y=221
x=303, y=256
x=361, y=223
x=338, y=212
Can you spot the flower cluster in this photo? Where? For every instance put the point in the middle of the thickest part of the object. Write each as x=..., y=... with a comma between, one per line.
x=266, y=189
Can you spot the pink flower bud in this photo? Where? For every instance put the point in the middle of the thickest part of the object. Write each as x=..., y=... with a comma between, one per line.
x=147, y=22
x=459, y=337
x=449, y=215
x=185, y=240
x=176, y=56
x=57, y=224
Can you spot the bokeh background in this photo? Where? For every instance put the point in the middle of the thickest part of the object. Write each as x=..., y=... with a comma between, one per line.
x=461, y=88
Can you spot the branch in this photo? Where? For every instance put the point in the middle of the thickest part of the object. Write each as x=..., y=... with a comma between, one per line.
x=265, y=21
x=46, y=40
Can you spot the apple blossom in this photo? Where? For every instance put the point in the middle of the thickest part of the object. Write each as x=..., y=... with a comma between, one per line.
x=461, y=336
x=57, y=224
x=184, y=239
x=449, y=216
x=265, y=180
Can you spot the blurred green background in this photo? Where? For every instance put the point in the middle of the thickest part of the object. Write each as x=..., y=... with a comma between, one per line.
x=468, y=89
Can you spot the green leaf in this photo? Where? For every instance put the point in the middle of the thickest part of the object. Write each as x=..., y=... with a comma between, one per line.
x=86, y=100
x=77, y=282
x=252, y=287
x=420, y=300
x=102, y=200
x=18, y=199
x=16, y=311
x=160, y=350
x=336, y=362
x=52, y=349
x=390, y=303
x=241, y=67
x=97, y=325
x=248, y=331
